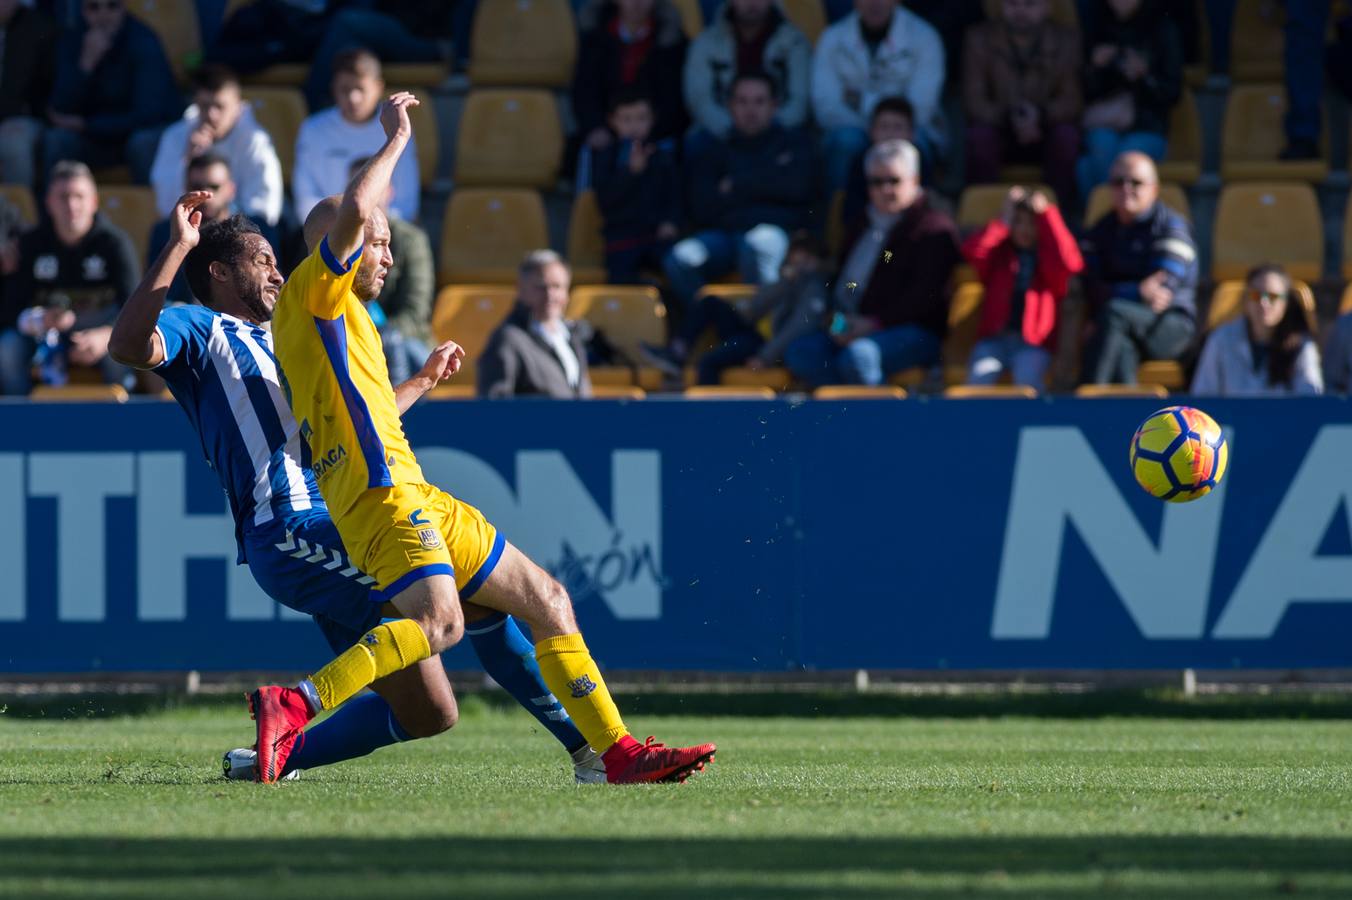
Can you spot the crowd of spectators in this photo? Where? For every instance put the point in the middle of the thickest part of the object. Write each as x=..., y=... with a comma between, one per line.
x=710, y=158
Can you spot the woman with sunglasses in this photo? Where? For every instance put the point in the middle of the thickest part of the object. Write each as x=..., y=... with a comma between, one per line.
x=1269, y=351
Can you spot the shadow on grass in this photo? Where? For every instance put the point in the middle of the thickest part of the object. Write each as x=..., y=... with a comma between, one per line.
x=578, y=866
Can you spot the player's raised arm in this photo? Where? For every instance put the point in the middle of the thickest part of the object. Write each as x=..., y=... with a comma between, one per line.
x=368, y=187
x=134, y=341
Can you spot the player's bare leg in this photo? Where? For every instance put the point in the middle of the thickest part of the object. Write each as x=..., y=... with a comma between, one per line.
x=527, y=592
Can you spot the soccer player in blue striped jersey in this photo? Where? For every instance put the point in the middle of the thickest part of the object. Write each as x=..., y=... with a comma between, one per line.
x=218, y=362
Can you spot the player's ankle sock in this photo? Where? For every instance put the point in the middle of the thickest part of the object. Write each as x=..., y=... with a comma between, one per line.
x=356, y=728
x=509, y=658
x=573, y=677
x=384, y=649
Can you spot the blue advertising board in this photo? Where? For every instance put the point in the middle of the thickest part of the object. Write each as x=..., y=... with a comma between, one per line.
x=732, y=536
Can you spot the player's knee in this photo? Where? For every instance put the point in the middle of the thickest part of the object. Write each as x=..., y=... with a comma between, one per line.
x=557, y=607
x=433, y=719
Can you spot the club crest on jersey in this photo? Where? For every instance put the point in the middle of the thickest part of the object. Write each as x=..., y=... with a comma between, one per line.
x=581, y=687
x=430, y=538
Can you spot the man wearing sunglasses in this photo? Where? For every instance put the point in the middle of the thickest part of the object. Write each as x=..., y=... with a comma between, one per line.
x=1141, y=277
x=114, y=92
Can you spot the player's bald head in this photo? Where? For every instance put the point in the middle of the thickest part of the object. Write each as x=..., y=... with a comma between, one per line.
x=320, y=220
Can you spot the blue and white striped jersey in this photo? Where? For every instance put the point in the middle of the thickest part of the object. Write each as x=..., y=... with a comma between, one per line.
x=223, y=372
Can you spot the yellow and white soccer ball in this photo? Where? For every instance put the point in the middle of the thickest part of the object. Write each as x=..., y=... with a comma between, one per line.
x=1179, y=454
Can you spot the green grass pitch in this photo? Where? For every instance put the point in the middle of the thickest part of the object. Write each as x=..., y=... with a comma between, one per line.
x=832, y=802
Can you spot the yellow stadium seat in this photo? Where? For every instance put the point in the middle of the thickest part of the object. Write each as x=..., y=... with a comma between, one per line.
x=462, y=391
x=1253, y=136
x=964, y=315
x=772, y=378
x=468, y=314
x=1182, y=161
x=728, y=392
x=980, y=203
x=1345, y=304
x=692, y=17
x=280, y=110
x=427, y=135
x=175, y=23
x=21, y=198
x=133, y=210
x=486, y=233
x=859, y=392
x=991, y=392
x=586, y=243
x=1258, y=223
x=626, y=315
x=79, y=393
x=1165, y=373
x=1063, y=11
x=509, y=137
x=523, y=42
x=1101, y=202
x=1257, y=41
x=808, y=15
x=617, y=392
x=1121, y=390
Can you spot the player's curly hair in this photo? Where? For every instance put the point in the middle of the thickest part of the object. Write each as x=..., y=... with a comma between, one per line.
x=221, y=241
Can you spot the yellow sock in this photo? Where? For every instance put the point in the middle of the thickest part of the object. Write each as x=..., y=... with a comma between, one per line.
x=384, y=649
x=570, y=673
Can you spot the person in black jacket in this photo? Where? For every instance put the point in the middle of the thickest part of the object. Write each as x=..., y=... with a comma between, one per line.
x=1133, y=79
x=26, y=72
x=637, y=189
x=114, y=92
x=746, y=194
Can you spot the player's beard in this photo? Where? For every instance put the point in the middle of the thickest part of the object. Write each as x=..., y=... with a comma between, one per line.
x=251, y=296
x=366, y=285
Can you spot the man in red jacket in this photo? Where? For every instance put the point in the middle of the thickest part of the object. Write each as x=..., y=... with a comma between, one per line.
x=1024, y=259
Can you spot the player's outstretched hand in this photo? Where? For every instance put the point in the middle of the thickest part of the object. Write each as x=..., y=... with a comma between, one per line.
x=394, y=115
x=444, y=362
x=186, y=221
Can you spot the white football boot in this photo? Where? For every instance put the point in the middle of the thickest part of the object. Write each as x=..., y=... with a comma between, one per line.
x=239, y=765
x=588, y=767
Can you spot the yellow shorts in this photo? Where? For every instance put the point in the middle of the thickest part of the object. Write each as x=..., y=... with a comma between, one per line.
x=401, y=534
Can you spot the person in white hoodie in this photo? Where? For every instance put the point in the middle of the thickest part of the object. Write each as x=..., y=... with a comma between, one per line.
x=877, y=51
x=221, y=123
x=329, y=141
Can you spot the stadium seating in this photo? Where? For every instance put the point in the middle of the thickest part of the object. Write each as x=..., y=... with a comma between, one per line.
x=21, y=198
x=1182, y=161
x=586, y=244
x=776, y=378
x=728, y=392
x=964, y=315
x=991, y=392
x=1121, y=390
x=627, y=316
x=859, y=392
x=426, y=133
x=1254, y=135
x=980, y=203
x=808, y=15
x=1345, y=303
x=1256, y=41
x=132, y=209
x=509, y=137
x=79, y=393
x=692, y=17
x=617, y=392
x=1258, y=223
x=1101, y=202
x=280, y=110
x=175, y=23
x=462, y=390
x=486, y=232
x=523, y=43
x=468, y=314
x=1166, y=374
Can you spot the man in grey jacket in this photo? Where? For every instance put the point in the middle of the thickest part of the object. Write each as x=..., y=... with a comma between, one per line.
x=747, y=35
x=536, y=352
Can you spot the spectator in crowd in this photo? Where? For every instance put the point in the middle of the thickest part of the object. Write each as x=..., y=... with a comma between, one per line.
x=1303, y=58
x=1268, y=351
x=747, y=36
x=1021, y=91
x=27, y=37
x=222, y=124
x=11, y=226
x=634, y=45
x=114, y=92
x=1133, y=80
x=879, y=50
x=267, y=32
x=891, y=295
x=536, y=352
x=1338, y=357
x=1140, y=277
x=403, y=311
x=797, y=305
x=406, y=31
x=745, y=194
x=893, y=119
x=207, y=172
x=637, y=189
x=1025, y=260
x=331, y=140
x=75, y=271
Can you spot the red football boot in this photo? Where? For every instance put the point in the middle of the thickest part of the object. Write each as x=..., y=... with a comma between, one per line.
x=629, y=762
x=281, y=715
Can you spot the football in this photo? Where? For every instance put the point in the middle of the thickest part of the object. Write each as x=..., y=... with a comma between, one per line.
x=1179, y=454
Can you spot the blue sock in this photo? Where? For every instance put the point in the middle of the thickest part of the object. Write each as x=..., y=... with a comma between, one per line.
x=509, y=658
x=360, y=725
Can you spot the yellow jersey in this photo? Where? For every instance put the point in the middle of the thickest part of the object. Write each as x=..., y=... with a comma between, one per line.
x=333, y=370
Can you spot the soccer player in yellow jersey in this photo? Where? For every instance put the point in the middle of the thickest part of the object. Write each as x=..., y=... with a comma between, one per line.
x=427, y=550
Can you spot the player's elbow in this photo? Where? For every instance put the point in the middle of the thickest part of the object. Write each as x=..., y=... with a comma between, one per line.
x=127, y=352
